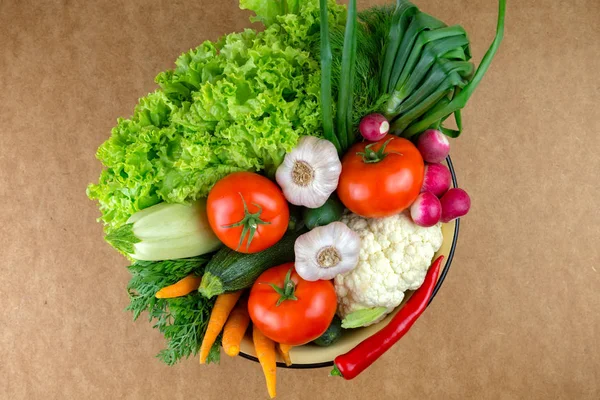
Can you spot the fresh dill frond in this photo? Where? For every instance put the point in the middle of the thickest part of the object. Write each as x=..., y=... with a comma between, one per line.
x=182, y=320
x=373, y=27
x=183, y=326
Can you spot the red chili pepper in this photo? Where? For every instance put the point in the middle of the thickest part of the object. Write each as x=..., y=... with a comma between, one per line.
x=355, y=361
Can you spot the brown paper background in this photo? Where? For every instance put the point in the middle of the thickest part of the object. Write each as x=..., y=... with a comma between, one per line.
x=517, y=318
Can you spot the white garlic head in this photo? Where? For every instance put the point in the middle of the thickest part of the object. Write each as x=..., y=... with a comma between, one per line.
x=310, y=172
x=326, y=251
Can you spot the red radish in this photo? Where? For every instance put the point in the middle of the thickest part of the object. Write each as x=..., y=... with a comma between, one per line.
x=437, y=179
x=374, y=127
x=426, y=210
x=433, y=145
x=455, y=204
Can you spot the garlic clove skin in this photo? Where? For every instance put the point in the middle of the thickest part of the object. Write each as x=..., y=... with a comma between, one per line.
x=310, y=172
x=326, y=251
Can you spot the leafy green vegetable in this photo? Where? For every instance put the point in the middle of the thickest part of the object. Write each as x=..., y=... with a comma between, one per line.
x=183, y=326
x=181, y=320
x=326, y=58
x=444, y=109
x=346, y=85
x=268, y=10
x=431, y=76
x=421, y=22
x=214, y=355
x=371, y=32
x=404, y=11
x=432, y=46
x=236, y=104
x=123, y=239
x=423, y=75
x=363, y=317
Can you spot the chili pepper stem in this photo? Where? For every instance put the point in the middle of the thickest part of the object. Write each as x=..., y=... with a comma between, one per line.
x=335, y=371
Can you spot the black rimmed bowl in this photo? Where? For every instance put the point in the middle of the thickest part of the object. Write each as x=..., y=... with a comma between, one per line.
x=312, y=356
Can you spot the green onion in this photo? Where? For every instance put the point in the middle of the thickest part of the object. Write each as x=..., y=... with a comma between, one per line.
x=404, y=11
x=400, y=124
x=432, y=52
x=429, y=46
x=438, y=106
x=460, y=100
x=425, y=73
x=451, y=81
x=344, y=111
x=435, y=79
x=326, y=60
x=453, y=133
x=349, y=118
x=421, y=22
x=457, y=54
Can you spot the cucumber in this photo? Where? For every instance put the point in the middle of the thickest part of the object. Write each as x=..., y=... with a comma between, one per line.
x=229, y=270
x=331, y=335
x=329, y=212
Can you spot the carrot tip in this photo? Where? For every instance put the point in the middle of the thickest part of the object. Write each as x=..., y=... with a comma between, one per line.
x=232, y=350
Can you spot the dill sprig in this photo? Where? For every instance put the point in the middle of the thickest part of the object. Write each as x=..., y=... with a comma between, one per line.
x=372, y=29
x=182, y=320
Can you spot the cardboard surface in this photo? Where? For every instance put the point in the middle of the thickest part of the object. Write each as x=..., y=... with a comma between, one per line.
x=518, y=316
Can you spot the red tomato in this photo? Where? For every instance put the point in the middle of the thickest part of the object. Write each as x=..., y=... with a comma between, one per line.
x=378, y=181
x=293, y=322
x=247, y=212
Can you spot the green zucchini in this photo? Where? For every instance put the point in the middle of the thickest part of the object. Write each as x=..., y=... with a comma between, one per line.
x=331, y=335
x=229, y=270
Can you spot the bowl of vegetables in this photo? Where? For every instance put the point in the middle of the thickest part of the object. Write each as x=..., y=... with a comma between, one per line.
x=337, y=340
x=287, y=195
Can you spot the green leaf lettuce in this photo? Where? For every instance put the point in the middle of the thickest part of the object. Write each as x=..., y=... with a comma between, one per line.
x=237, y=104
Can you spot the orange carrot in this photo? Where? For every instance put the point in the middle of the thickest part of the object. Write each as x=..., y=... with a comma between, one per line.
x=185, y=286
x=235, y=328
x=223, y=306
x=265, y=351
x=284, y=350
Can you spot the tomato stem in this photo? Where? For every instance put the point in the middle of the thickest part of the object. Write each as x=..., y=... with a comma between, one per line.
x=250, y=223
x=370, y=156
x=287, y=291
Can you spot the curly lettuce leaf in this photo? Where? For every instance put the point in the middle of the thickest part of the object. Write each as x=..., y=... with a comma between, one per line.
x=267, y=10
x=237, y=104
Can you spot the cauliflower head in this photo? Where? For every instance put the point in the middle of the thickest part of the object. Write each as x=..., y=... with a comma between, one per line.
x=395, y=255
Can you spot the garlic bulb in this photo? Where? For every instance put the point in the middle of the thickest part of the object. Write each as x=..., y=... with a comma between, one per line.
x=310, y=172
x=326, y=251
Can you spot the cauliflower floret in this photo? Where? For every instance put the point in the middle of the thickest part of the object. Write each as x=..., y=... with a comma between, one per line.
x=395, y=255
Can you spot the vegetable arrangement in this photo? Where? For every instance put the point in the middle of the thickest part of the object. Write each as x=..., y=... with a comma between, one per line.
x=256, y=208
